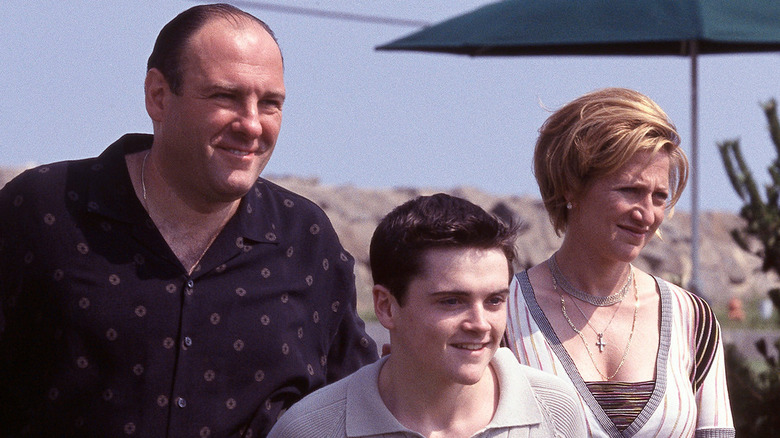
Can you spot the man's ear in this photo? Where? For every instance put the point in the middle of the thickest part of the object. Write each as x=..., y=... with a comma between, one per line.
x=155, y=90
x=385, y=306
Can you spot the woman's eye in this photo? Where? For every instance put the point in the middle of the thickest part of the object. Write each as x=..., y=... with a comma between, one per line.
x=660, y=198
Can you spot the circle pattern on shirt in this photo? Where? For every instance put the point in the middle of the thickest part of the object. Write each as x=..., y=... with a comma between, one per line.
x=293, y=337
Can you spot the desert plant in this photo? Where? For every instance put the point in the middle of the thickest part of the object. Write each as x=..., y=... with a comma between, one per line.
x=755, y=395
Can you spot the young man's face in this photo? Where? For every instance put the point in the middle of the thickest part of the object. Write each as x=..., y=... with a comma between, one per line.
x=454, y=315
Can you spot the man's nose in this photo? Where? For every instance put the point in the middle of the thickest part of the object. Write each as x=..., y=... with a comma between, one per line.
x=249, y=122
x=477, y=319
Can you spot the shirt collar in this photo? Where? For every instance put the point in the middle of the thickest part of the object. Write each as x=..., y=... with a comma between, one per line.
x=517, y=405
x=111, y=193
x=367, y=414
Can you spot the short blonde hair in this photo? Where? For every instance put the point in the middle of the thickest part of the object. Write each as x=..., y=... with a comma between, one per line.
x=596, y=134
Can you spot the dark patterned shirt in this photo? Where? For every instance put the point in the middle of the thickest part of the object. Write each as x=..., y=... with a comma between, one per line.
x=103, y=332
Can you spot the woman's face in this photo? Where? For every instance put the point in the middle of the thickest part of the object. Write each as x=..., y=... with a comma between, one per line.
x=618, y=213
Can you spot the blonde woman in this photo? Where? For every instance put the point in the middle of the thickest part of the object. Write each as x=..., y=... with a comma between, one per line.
x=644, y=355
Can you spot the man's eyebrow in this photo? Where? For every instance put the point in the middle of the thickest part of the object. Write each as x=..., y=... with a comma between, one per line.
x=237, y=89
x=457, y=292
x=221, y=86
x=274, y=95
x=211, y=88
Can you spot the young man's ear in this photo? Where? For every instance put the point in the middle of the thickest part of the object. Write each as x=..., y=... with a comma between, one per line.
x=385, y=306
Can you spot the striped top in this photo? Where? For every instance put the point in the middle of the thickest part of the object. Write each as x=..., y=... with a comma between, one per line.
x=689, y=397
x=622, y=401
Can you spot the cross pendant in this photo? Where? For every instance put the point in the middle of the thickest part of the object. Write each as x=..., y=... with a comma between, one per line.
x=601, y=344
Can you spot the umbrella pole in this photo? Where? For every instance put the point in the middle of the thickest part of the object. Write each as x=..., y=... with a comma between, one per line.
x=694, y=282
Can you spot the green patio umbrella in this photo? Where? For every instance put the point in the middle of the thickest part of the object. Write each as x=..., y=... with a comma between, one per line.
x=611, y=27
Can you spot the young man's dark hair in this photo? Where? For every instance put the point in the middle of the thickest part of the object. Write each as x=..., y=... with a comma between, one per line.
x=437, y=221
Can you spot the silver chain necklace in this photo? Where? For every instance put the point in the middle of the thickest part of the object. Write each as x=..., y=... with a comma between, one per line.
x=143, y=175
x=599, y=301
x=600, y=335
x=585, y=343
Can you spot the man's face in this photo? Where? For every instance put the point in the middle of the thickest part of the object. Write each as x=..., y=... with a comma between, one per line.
x=218, y=134
x=454, y=314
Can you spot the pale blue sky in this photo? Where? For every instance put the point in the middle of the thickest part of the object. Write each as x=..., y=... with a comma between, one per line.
x=73, y=72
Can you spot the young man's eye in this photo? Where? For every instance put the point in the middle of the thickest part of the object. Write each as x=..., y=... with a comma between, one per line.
x=449, y=301
x=497, y=300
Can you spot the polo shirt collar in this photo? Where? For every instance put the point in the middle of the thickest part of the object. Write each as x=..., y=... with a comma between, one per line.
x=367, y=414
x=517, y=405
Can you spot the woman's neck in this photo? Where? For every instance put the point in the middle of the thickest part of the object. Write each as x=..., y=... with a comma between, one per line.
x=589, y=273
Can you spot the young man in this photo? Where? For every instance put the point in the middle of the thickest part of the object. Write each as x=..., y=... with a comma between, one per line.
x=441, y=268
x=162, y=288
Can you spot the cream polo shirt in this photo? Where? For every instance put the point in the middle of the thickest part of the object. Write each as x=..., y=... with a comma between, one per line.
x=531, y=404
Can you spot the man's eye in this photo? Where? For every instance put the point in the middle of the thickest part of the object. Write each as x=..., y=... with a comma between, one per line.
x=497, y=300
x=270, y=106
x=273, y=103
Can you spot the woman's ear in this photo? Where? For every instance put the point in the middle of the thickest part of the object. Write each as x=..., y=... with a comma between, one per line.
x=570, y=199
x=385, y=306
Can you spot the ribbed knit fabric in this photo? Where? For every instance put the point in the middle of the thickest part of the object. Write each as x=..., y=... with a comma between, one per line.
x=621, y=401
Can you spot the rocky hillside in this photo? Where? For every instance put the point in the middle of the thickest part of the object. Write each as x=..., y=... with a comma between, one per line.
x=727, y=271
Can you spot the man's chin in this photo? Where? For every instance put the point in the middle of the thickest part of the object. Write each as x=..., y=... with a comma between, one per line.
x=472, y=374
x=239, y=183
